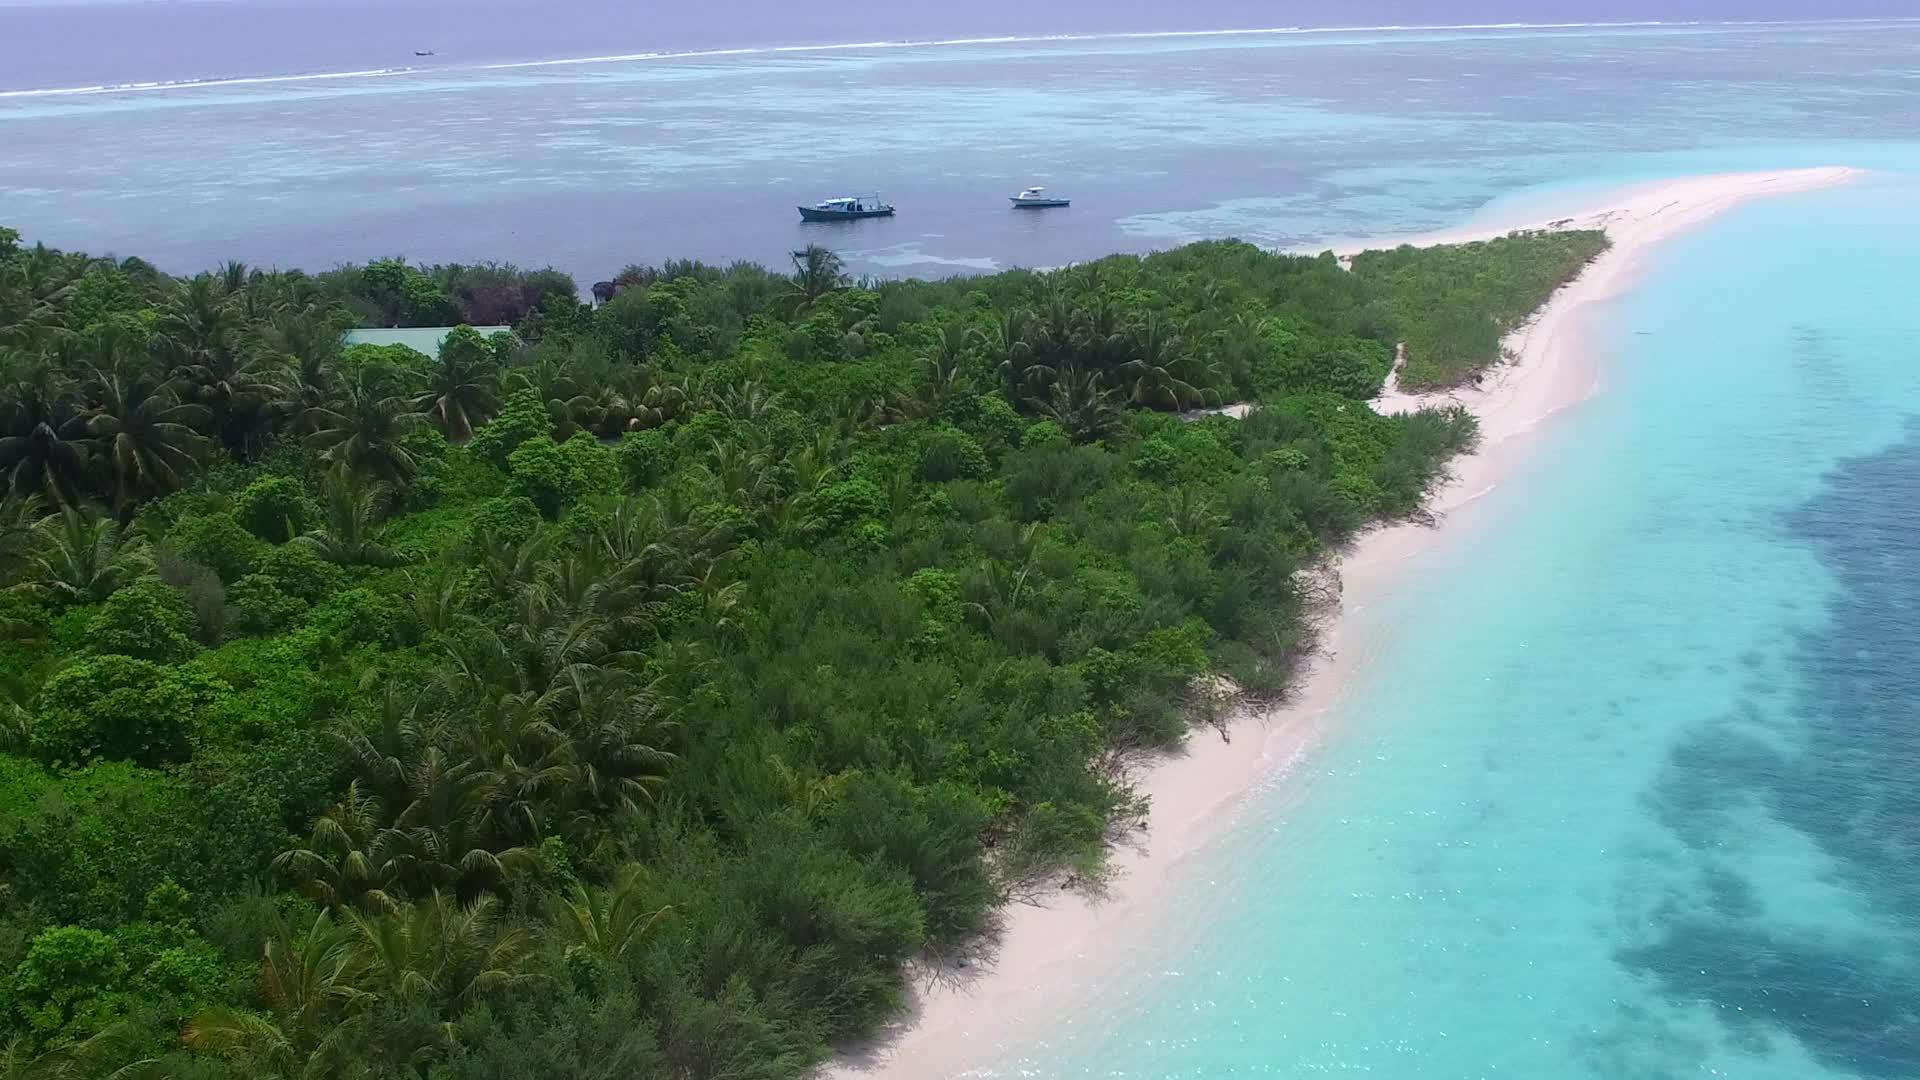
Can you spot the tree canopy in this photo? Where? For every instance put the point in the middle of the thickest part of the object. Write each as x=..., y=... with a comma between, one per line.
x=635, y=694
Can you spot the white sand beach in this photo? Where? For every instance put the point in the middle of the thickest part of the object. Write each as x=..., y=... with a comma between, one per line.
x=1048, y=957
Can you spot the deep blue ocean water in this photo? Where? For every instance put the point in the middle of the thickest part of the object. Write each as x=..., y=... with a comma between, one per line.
x=1282, y=138
x=1629, y=792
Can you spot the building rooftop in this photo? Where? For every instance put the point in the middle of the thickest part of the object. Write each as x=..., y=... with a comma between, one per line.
x=422, y=339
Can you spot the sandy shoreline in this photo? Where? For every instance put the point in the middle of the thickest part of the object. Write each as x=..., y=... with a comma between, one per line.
x=1048, y=958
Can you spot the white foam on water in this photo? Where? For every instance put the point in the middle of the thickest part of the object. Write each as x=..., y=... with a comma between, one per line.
x=938, y=43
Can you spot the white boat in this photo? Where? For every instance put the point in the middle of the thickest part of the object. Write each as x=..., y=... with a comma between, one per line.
x=1036, y=198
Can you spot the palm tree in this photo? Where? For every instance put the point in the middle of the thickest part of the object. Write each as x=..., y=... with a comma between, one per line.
x=651, y=548
x=616, y=734
x=1244, y=343
x=524, y=759
x=872, y=413
x=608, y=922
x=16, y=715
x=239, y=390
x=235, y=276
x=34, y=285
x=747, y=400
x=436, y=597
x=1058, y=327
x=81, y=557
x=439, y=837
x=200, y=332
x=1192, y=514
x=722, y=603
x=441, y=950
x=350, y=858
x=810, y=465
x=279, y=291
x=942, y=369
x=740, y=476
x=312, y=983
x=348, y=533
x=43, y=449
x=816, y=272
x=659, y=403
x=1002, y=590
x=1012, y=352
x=306, y=342
x=27, y=321
x=460, y=392
x=535, y=652
x=1100, y=338
x=20, y=517
x=364, y=428
x=1084, y=408
x=1153, y=374
x=604, y=412
x=112, y=1053
x=199, y=321
x=378, y=754
x=145, y=435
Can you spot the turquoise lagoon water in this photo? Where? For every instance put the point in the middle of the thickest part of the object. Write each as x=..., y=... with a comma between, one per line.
x=1631, y=792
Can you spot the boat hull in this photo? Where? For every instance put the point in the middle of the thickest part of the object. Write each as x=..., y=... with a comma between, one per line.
x=1039, y=204
x=813, y=213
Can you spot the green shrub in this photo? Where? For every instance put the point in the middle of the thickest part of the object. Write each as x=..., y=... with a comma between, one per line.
x=147, y=621
x=596, y=466
x=988, y=418
x=557, y=475
x=355, y=617
x=951, y=454
x=696, y=437
x=459, y=475
x=843, y=504
x=931, y=833
x=218, y=542
x=88, y=846
x=275, y=509
x=101, y=295
x=539, y=472
x=523, y=417
x=509, y=519
x=939, y=592
x=260, y=607
x=117, y=707
x=645, y=457
x=296, y=571
x=1452, y=304
x=1045, y=435
x=71, y=984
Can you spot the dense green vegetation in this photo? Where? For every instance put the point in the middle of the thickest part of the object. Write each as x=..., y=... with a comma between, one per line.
x=1452, y=305
x=633, y=694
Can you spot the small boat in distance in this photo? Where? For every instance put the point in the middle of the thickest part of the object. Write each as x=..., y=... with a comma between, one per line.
x=849, y=208
x=1036, y=198
x=423, y=52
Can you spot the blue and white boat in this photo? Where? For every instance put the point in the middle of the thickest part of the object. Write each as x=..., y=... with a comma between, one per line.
x=1036, y=198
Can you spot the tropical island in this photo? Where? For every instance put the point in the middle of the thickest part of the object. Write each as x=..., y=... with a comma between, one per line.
x=639, y=691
